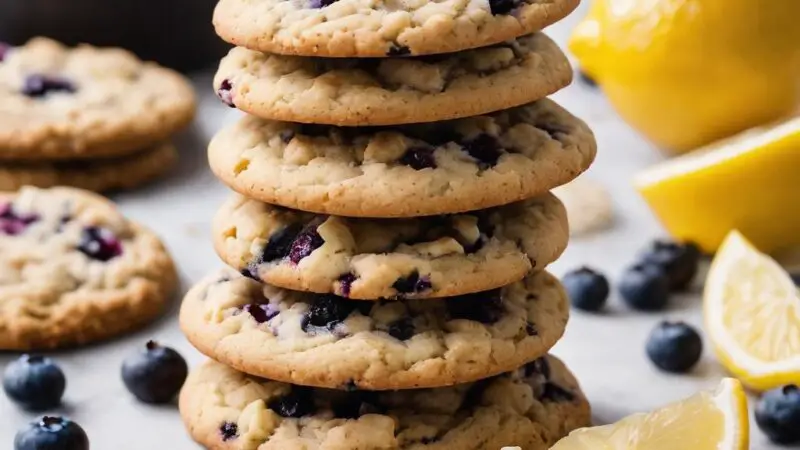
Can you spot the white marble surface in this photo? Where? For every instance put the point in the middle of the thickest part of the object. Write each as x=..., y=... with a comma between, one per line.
x=606, y=351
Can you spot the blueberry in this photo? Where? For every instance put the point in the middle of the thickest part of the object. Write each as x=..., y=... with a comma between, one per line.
x=357, y=404
x=100, y=244
x=674, y=347
x=484, y=307
x=485, y=148
x=679, y=261
x=398, y=50
x=261, y=312
x=34, y=382
x=538, y=367
x=305, y=243
x=419, y=158
x=37, y=85
x=280, y=243
x=327, y=311
x=316, y=4
x=224, y=93
x=51, y=433
x=402, y=329
x=645, y=287
x=778, y=414
x=13, y=223
x=155, y=374
x=228, y=431
x=555, y=393
x=412, y=284
x=346, y=283
x=588, y=290
x=586, y=79
x=296, y=404
x=502, y=6
x=4, y=48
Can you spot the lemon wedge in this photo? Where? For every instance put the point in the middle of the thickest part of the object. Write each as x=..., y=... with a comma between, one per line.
x=752, y=315
x=750, y=182
x=706, y=421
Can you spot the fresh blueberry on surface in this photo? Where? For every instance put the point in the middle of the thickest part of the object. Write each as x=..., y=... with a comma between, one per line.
x=778, y=414
x=154, y=375
x=51, y=433
x=645, y=287
x=37, y=85
x=34, y=382
x=679, y=261
x=100, y=244
x=674, y=347
x=587, y=289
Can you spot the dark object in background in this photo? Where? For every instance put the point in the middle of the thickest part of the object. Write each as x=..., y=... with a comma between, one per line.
x=778, y=414
x=175, y=33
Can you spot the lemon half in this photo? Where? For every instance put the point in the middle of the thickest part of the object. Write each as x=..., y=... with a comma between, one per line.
x=752, y=315
x=706, y=421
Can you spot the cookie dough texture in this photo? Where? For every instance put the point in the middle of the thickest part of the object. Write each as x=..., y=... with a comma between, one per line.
x=380, y=27
x=391, y=91
x=99, y=175
x=373, y=258
x=285, y=335
x=589, y=206
x=60, y=284
x=405, y=171
x=109, y=102
x=531, y=407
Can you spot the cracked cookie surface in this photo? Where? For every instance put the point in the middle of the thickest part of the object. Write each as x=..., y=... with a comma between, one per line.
x=405, y=171
x=122, y=172
x=434, y=256
x=73, y=270
x=328, y=341
x=531, y=407
x=342, y=28
x=85, y=102
x=388, y=91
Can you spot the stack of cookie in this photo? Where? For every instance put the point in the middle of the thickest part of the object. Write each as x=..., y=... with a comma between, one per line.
x=390, y=229
x=93, y=118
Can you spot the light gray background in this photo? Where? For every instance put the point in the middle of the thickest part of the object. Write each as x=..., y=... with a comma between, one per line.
x=606, y=352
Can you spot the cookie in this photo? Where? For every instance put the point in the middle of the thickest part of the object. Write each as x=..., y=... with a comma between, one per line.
x=530, y=407
x=346, y=28
x=391, y=91
x=328, y=341
x=73, y=270
x=437, y=256
x=403, y=171
x=86, y=102
x=122, y=172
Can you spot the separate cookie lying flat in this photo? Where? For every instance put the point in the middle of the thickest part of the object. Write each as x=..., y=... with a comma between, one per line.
x=403, y=171
x=328, y=341
x=58, y=102
x=73, y=270
x=531, y=407
x=342, y=28
x=122, y=172
x=390, y=91
x=429, y=257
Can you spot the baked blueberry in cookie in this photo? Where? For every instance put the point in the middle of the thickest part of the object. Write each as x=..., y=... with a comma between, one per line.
x=38, y=85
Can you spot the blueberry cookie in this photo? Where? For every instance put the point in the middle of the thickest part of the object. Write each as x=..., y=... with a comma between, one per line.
x=342, y=28
x=391, y=91
x=530, y=407
x=437, y=256
x=121, y=172
x=85, y=102
x=73, y=270
x=329, y=341
x=404, y=171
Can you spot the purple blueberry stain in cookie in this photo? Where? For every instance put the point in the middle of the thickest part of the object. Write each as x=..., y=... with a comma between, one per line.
x=412, y=284
x=228, y=431
x=305, y=243
x=502, y=6
x=225, y=93
x=317, y=4
x=419, y=158
x=295, y=404
x=13, y=223
x=484, y=307
x=328, y=311
x=99, y=243
x=38, y=85
x=280, y=243
x=398, y=50
x=261, y=312
x=346, y=284
x=484, y=148
x=402, y=329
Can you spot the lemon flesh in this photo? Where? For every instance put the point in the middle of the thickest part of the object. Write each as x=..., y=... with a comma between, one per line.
x=750, y=182
x=752, y=315
x=705, y=421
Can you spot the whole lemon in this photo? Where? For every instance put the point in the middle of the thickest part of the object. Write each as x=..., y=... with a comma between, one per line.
x=689, y=72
